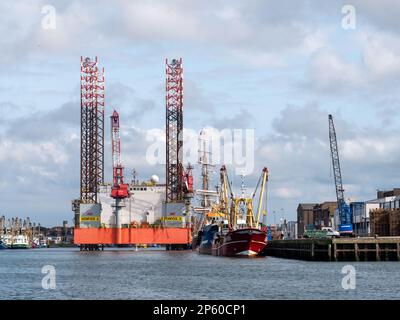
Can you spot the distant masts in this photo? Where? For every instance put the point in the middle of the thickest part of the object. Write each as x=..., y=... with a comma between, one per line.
x=206, y=166
x=134, y=176
x=243, y=186
x=2, y=225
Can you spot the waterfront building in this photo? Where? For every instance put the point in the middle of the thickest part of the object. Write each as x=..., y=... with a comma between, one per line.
x=305, y=217
x=323, y=214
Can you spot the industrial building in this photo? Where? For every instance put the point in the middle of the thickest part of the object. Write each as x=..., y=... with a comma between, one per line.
x=315, y=215
x=365, y=225
x=388, y=193
x=292, y=230
x=305, y=217
x=323, y=214
x=361, y=216
x=59, y=234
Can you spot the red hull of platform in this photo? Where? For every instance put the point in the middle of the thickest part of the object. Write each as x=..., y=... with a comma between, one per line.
x=132, y=236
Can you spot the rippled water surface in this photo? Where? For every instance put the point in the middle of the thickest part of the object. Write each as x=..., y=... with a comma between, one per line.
x=129, y=274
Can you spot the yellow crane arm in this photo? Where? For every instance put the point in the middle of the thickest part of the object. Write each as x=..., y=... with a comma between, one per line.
x=260, y=202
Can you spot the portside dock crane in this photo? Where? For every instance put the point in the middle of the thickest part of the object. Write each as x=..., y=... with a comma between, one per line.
x=345, y=214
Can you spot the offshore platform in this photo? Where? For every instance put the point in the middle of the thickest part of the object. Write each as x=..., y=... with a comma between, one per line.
x=121, y=213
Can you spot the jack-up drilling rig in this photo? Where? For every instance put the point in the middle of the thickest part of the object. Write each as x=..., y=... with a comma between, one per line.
x=93, y=225
x=119, y=190
x=345, y=214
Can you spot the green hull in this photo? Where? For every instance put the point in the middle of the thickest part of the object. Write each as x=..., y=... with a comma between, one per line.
x=20, y=246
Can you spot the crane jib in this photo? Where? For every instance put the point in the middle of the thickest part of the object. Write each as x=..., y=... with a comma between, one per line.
x=344, y=209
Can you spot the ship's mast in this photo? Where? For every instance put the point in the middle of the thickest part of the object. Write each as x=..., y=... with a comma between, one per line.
x=2, y=225
x=206, y=167
x=242, y=187
x=206, y=196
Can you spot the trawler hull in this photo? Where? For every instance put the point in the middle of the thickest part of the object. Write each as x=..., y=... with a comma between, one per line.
x=247, y=242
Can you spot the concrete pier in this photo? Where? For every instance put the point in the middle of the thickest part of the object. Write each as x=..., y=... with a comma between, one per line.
x=343, y=249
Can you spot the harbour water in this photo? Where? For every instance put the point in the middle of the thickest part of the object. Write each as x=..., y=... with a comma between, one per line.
x=149, y=274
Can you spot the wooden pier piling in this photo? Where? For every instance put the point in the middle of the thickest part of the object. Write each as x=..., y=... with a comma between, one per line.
x=343, y=249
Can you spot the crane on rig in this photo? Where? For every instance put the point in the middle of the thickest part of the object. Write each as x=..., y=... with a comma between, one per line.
x=119, y=190
x=345, y=214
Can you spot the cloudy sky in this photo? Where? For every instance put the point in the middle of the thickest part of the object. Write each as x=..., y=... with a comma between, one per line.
x=278, y=67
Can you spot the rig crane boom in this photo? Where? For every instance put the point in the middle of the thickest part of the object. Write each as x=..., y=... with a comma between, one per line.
x=119, y=189
x=345, y=216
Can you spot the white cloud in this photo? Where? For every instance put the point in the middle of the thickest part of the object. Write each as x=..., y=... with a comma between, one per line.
x=286, y=193
x=381, y=57
x=370, y=149
x=265, y=30
x=329, y=72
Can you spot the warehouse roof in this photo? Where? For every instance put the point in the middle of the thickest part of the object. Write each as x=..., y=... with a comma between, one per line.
x=307, y=206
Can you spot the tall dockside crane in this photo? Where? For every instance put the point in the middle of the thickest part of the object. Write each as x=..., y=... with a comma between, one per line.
x=345, y=215
x=119, y=190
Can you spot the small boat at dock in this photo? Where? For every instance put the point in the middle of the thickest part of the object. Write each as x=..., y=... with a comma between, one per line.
x=2, y=245
x=20, y=242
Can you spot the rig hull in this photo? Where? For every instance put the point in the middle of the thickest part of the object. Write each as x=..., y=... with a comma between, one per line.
x=132, y=236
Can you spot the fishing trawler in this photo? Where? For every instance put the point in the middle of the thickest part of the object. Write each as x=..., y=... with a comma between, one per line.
x=20, y=241
x=7, y=241
x=235, y=232
x=245, y=242
x=2, y=245
x=17, y=233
